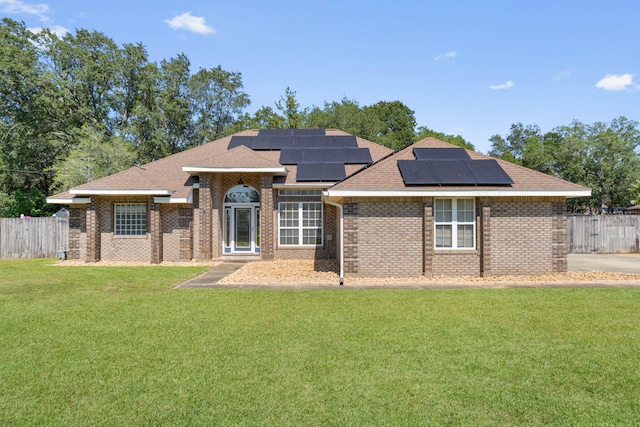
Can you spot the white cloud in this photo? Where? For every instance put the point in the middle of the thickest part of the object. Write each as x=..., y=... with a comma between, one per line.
x=19, y=7
x=562, y=74
x=614, y=82
x=186, y=21
x=55, y=29
x=448, y=55
x=506, y=85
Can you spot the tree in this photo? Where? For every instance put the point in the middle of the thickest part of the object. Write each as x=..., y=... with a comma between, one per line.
x=218, y=100
x=95, y=157
x=345, y=115
x=635, y=193
x=290, y=107
x=395, y=124
x=175, y=105
x=600, y=156
x=424, y=132
x=526, y=146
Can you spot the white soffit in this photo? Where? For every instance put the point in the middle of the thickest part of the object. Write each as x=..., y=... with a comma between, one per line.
x=459, y=193
x=86, y=192
x=277, y=171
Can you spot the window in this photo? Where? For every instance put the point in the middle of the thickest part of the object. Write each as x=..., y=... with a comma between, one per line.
x=455, y=221
x=300, y=223
x=300, y=192
x=130, y=219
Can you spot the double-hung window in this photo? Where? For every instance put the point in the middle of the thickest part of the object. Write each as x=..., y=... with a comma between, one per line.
x=130, y=219
x=455, y=221
x=300, y=223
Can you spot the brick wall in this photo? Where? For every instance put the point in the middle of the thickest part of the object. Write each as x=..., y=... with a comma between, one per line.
x=177, y=224
x=386, y=237
x=78, y=232
x=522, y=236
x=121, y=248
x=456, y=263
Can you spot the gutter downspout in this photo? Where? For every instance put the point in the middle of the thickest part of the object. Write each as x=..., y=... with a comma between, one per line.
x=341, y=233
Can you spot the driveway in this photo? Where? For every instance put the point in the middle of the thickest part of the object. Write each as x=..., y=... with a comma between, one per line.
x=611, y=263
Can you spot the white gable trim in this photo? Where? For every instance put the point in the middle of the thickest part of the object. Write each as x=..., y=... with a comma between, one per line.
x=86, y=192
x=70, y=201
x=458, y=193
x=274, y=170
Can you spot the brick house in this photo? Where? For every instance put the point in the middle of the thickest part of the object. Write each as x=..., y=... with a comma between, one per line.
x=428, y=209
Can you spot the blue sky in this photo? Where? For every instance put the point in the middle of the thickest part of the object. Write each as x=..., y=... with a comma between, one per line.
x=465, y=67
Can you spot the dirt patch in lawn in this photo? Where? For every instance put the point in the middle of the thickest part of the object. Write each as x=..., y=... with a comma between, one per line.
x=288, y=272
x=74, y=263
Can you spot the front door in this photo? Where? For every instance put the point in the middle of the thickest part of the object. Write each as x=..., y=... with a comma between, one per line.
x=244, y=231
x=241, y=229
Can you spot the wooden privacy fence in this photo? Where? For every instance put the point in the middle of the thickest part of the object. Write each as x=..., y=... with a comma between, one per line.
x=33, y=237
x=604, y=234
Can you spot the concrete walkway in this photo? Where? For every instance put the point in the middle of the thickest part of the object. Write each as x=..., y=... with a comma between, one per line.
x=612, y=263
x=213, y=276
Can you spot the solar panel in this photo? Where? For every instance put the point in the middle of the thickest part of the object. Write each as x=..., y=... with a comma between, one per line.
x=418, y=172
x=489, y=172
x=441, y=154
x=358, y=155
x=279, y=142
x=320, y=172
x=453, y=172
x=292, y=156
x=291, y=132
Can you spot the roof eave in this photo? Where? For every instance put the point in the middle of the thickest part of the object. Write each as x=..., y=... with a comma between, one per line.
x=273, y=170
x=68, y=201
x=458, y=193
x=104, y=192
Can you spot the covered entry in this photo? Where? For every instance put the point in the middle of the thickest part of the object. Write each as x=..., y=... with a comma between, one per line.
x=241, y=220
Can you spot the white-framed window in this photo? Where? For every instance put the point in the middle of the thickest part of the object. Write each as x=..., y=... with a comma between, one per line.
x=300, y=223
x=300, y=192
x=455, y=222
x=130, y=219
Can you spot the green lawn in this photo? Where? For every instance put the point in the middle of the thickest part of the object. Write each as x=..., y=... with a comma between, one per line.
x=117, y=346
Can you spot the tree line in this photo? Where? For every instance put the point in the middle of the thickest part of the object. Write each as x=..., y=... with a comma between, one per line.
x=80, y=107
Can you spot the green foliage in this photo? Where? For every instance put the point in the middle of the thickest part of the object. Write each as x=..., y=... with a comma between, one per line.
x=94, y=157
x=28, y=204
x=601, y=156
x=635, y=193
x=289, y=106
x=117, y=346
x=458, y=140
x=394, y=124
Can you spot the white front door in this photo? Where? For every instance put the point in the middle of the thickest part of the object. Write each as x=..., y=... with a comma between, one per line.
x=241, y=228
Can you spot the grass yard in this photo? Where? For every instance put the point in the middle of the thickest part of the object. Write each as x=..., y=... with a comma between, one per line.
x=117, y=346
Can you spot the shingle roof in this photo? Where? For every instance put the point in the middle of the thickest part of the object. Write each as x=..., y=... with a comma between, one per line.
x=384, y=176
x=167, y=176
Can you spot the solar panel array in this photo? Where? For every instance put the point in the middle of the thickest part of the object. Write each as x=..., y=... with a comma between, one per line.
x=291, y=132
x=441, y=154
x=293, y=156
x=451, y=166
x=320, y=172
x=279, y=142
x=319, y=157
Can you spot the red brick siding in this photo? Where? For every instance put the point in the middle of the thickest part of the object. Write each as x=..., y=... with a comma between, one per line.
x=177, y=222
x=456, y=263
x=389, y=239
x=122, y=248
x=78, y=232
x=521, y=237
